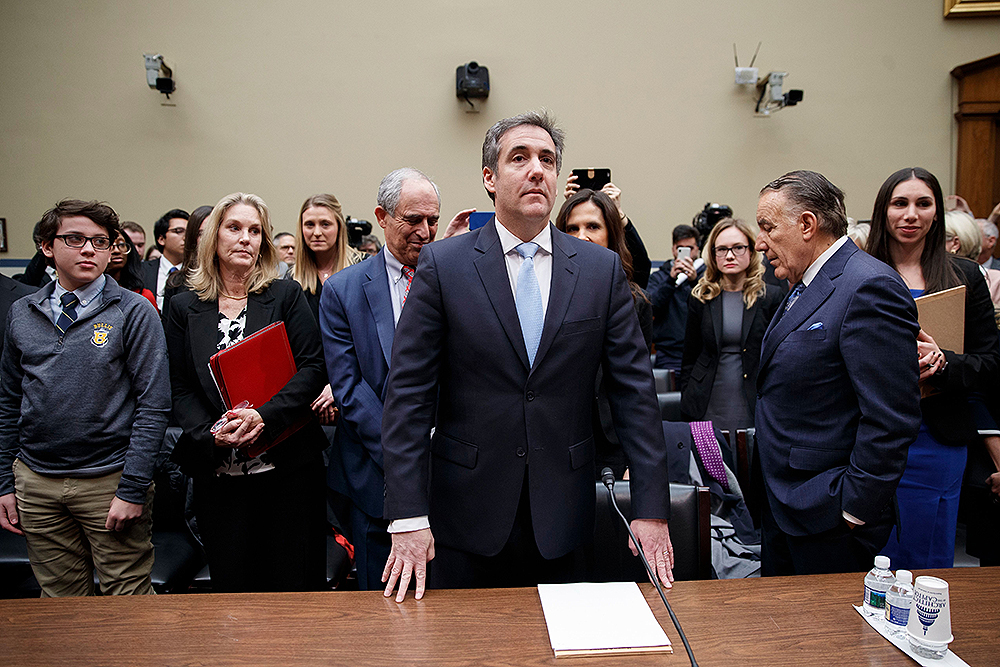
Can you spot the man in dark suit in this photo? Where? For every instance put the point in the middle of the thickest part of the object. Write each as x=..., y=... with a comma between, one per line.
x=168, y=233
x=10, y=291
x=838, y=403
x=358, y=313
x=505, y=328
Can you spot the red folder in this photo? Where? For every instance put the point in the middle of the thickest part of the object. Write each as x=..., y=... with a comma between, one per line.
x=254, y=370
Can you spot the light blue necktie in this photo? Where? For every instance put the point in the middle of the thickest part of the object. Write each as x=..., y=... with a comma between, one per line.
x=529, y=300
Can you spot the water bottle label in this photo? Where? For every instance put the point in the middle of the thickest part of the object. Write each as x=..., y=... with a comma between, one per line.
x=897, y=615
x=875, y=598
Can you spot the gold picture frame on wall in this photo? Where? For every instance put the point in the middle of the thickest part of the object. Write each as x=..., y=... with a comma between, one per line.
x=963, y=8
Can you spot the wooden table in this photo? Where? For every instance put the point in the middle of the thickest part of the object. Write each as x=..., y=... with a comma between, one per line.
x=781, y=621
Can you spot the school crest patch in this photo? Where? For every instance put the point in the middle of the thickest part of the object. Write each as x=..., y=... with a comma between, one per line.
x=101, y=333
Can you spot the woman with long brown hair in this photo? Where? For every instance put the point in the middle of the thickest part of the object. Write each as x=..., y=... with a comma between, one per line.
x=908, y=234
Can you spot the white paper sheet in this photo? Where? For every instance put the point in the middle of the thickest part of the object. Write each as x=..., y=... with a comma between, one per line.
x=898, y=638
x=592, y=617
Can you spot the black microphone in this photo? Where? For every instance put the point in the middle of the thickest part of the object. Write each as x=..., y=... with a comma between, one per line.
x=608, y=479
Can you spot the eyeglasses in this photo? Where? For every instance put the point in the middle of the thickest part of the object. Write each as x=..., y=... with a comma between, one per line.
x=177, y=230
x=737, y=250
x=79, y=240
x=121, y=247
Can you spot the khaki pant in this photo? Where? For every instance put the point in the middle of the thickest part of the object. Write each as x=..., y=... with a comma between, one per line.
x=63, y=520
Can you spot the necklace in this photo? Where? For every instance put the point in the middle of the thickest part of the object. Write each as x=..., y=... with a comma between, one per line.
x=234, y=298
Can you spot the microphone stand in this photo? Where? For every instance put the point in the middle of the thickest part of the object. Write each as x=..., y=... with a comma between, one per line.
x=608, y=478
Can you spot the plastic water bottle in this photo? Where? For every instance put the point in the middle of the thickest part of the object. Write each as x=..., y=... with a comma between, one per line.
x=877, y=582
x=898, y=599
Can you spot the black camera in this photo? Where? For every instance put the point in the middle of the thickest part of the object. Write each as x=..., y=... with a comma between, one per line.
x=705, y=219
x=357, y=229
x=472, y=80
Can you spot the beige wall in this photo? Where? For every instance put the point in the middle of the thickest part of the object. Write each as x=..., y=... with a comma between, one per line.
x=289, y=99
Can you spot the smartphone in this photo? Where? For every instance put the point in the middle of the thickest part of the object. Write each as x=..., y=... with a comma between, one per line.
x=592, y=178
x=684, y=252
x=479, y=218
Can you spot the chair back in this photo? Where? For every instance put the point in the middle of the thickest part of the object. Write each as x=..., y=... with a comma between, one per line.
x=690, y=525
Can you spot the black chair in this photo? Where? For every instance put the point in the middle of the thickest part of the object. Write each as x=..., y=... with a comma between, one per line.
x=741, y=447
x=690, y=525
x=670, y=406
x=16, y=578
x=178, y=555
x=661, y=376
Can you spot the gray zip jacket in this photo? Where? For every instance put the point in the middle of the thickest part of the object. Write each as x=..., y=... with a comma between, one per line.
x=87, y=403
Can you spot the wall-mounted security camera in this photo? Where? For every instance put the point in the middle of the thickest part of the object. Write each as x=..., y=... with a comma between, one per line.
x=472, y=80
x=154, y=67
x=772, y=96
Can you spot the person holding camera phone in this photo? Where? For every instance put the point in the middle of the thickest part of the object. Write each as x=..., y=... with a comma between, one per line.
x=641, y=265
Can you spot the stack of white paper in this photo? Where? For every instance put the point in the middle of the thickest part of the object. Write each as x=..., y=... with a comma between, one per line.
x=586, y=619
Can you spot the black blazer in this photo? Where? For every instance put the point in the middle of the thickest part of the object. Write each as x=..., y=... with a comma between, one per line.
x=10, y=291
x=947, y=414
x=150, y=273
x=192, y=338
x=701, y=349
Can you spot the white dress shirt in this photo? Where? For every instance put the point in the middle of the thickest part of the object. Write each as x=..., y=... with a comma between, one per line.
x=161, y=279
x=397, y=283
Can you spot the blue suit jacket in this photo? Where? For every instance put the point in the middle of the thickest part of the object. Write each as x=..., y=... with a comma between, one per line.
x=462, y=367
x=355, y=317
x=838, y=403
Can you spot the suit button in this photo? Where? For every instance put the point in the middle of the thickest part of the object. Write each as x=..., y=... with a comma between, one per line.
x=530, y=396
x=744, y=376
x=520, y=451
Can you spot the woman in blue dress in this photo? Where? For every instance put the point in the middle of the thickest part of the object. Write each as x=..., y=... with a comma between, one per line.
x=908, y=234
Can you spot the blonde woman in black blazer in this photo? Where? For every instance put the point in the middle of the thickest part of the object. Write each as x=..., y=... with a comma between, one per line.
x=262, y=519
x=728, y=312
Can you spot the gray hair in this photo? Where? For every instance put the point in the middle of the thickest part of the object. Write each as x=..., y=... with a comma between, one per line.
x=392, y=185
x=542, y=119
x=988, y=228
x=811, y=191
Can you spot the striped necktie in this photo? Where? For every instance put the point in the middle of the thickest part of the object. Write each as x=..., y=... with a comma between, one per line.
x=68, y=314
x=408, y=272
x=529, y=300
x=794, y=295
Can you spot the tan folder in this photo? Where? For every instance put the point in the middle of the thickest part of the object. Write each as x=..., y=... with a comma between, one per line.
x=942, y=316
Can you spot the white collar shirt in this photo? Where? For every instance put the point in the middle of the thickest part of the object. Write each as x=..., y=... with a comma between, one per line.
x=161, y=279
x=542, y=260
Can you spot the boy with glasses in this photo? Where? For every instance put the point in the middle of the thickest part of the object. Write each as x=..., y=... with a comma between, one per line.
x=84, y=398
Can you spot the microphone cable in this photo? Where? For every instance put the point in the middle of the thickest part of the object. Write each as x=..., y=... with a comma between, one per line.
x=608, y=478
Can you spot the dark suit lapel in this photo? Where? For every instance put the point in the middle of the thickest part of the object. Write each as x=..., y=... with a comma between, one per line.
x=564, y=276
x=748, y=315
x=203, y=325
x=818, y=291
x=260, y=312
x=492, y=270
x=380, y=302
x=715, y=312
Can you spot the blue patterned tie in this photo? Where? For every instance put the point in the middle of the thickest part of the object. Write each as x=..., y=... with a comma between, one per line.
x=68, y=314
x=529, y=300
x=794, y=295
